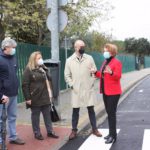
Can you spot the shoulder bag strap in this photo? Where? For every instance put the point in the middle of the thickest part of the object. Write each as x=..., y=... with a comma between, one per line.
x=48, y=85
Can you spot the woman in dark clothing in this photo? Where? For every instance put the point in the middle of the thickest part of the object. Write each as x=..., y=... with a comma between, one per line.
x=110, y=87
x=37, y=95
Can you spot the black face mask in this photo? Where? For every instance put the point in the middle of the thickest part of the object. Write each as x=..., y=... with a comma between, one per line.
x=81, y=51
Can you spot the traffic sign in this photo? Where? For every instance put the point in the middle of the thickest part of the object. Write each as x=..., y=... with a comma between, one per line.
x=49, y=4
x=63, y=20
x=60, y=3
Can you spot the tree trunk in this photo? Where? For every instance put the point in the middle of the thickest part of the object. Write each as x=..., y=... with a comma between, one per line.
x=40, y=36
x=2, y=32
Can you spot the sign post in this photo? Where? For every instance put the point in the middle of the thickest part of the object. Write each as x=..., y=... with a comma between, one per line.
x=56, y=22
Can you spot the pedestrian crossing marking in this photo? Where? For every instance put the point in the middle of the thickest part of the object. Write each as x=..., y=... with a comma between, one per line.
x=146, y=140
x=97, y=143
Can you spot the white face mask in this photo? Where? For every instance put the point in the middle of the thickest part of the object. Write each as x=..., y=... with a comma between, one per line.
x=13, y=51
x=106, y=55
x=40, y=62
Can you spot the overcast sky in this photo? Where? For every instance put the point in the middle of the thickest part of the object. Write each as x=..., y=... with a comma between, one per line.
x=131, y=18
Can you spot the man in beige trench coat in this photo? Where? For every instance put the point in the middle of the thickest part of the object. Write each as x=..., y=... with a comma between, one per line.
x=81, y=81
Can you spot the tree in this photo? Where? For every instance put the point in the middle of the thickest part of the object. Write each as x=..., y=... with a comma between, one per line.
x=82, y=15
x=95, y=41
x=25, y=20
x=120, y=45
x=139, y=46
x=143, y=46
x=2, y=32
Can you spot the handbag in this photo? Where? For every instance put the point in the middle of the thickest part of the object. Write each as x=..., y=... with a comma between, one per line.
x=53, y=111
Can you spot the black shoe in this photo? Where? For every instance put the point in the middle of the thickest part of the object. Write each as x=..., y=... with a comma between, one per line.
x=110, y=140
x=52, y=135
x=18, y=141
x=39, y=137
x=106, y=137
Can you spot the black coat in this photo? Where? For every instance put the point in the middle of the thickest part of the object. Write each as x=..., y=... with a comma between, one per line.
x=9, y=82
x=34, y=86
x=3, y=76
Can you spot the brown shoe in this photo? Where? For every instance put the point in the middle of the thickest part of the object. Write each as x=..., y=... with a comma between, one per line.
x=73, y=135
x=97, y=133
x=18, y=141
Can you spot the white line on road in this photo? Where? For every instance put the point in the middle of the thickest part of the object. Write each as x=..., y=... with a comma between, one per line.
x=146, y=141
x=97, y=143
x=133, y=111
x=140, y=91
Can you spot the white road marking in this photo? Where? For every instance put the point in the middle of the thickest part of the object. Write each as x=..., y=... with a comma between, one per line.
x=140, y=91
x=97, y=143
x=146, y=140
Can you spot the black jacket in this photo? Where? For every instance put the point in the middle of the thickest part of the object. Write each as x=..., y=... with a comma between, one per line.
x=9, y=82
x=3, y=76
x=34, y=87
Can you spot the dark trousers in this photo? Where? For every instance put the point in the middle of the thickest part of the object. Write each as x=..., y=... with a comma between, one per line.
x=35, y=117
x=75, y=117
x=110, y=103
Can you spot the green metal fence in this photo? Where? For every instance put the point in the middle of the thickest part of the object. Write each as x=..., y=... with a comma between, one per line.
x=128, y=62
x=24, y=51
x=147, y=61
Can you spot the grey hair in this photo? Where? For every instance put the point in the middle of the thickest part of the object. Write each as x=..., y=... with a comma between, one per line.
x=8, y=43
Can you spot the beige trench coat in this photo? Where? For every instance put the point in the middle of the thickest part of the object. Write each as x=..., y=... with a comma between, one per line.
x=77, y=75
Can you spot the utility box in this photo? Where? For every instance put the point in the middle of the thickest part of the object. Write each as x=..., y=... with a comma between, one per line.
x=54, y=70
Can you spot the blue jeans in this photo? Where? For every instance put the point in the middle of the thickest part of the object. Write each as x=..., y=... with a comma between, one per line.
x=11, y=109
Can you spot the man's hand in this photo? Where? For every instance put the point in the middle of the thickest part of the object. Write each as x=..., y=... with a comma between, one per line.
x=5, y=99
x=92, y=70
x=28, y=102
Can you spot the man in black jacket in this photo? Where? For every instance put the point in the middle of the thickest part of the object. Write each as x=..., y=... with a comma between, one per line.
x=9, y=87
x=3, y=76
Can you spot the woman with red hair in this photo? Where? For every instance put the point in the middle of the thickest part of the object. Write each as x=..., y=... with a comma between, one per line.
x=110, y=87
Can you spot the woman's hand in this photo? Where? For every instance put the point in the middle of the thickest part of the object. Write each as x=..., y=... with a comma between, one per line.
x=108, y=70
x=28, y=102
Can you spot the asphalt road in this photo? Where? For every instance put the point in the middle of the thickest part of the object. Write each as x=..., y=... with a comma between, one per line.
x=133, y=118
